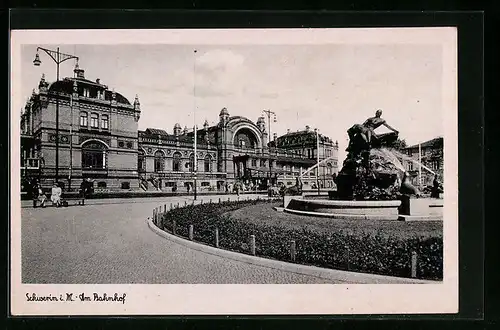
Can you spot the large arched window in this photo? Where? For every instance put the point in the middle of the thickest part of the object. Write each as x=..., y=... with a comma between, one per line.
x=176, y=164
x=141, y=161
x=208, y=163
x=94, y=154
x=191, y=163
x=159, y=161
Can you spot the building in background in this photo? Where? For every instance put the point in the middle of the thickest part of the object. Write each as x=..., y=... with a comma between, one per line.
x=97, y=134
x=99, y=140
x=430, y=155
x=236, y=149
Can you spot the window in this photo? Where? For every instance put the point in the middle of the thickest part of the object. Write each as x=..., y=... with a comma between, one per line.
x=94, y=155
x=86, y=92
x=254, y=162
x=329, y=169
x=170, y=184
x=208, y=163
x=176, y=165
x=262, y=163
x=410, y=166
x=191, y=163
x=84, y=119
x=308, y=153
x=289, y=183
x=242, y=144
x=435, y=165
x=141, y=161
x=94, y=120
x=159, y=161
x=101, y=184
x=205, y=184
x=125, y=185
x=104, y=122
x=100, y=95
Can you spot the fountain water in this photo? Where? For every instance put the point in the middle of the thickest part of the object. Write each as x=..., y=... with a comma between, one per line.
x=372, y=184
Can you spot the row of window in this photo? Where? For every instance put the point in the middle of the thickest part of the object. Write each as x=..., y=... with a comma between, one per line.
x=434, y=165
x=94, y=120
x=159, y=162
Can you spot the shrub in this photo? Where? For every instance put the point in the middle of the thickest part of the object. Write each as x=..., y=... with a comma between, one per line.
x=338, y=250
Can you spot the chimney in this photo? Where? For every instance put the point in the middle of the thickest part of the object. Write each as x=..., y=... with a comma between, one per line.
x=98, y=81
x=275, y=136
x=287, y=131
x=308, y=128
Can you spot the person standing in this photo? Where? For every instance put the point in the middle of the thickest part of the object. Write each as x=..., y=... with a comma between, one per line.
x=34, y=192
x=435, y=187
x=54, y=196
x=41, y=196
x=83, y=191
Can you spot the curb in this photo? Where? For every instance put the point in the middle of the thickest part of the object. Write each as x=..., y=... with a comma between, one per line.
x=324, y=273
x=344, y=216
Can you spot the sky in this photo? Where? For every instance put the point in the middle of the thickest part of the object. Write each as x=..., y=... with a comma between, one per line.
x=326, y=86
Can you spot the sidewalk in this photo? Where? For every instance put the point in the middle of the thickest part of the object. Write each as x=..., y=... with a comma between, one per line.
x=161, y=200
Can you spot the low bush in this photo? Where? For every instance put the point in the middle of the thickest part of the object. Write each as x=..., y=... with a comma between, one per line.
x=338, y=250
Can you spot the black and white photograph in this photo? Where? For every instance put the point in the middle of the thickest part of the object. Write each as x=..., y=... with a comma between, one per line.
x=300, y=171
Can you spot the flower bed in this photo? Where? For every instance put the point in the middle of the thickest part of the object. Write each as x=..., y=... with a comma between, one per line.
x=385, y=255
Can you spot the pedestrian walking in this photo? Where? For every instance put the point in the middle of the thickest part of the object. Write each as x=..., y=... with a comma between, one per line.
x=84, y=190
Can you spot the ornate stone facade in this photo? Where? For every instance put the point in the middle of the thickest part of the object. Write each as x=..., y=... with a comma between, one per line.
x=99, y=139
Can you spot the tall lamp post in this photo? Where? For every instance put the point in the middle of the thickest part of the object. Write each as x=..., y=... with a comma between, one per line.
x=317, y=158
x=269, y=113
x=195, y=165
x=58, y=58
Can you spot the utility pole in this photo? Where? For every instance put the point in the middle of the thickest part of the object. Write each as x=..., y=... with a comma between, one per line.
x=195, y=165
x=70, y=144
x=317, y=158
x=269, y=113
x=419, y=166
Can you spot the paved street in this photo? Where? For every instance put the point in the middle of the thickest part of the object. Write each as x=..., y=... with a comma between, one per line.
x=108, y=241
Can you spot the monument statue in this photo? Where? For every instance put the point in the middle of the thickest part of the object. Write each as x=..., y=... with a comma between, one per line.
x=370, y=171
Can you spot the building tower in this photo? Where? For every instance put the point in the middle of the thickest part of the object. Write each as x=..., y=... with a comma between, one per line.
x=177, y=129
x=223, y=116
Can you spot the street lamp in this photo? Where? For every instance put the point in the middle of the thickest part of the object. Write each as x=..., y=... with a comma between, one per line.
x=269, y=113
x=195, y=167
x=58, y=58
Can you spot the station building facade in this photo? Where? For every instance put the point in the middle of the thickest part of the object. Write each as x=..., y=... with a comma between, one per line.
x=99, y=139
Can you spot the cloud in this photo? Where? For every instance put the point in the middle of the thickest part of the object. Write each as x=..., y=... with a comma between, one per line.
x=220, y=59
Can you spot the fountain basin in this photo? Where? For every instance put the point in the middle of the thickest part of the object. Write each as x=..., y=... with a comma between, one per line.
x=362, y=210
x=430, y=209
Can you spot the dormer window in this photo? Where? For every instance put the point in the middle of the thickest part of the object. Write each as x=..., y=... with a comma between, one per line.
x=86, y=92
x=100, y=95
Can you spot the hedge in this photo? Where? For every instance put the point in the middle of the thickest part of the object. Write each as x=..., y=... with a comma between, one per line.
x=338, y=250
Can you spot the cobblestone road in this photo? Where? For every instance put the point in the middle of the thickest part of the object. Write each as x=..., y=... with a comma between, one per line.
x=108, y=241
